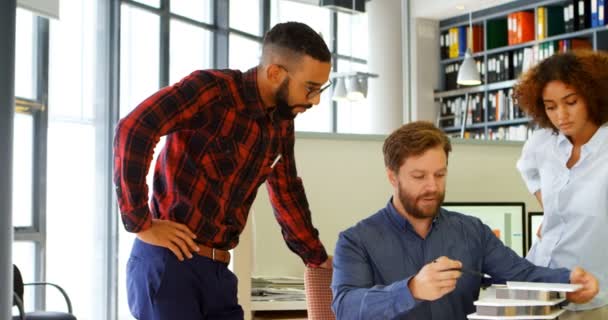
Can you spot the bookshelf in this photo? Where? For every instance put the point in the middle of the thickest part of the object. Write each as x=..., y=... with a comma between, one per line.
x=506, y=40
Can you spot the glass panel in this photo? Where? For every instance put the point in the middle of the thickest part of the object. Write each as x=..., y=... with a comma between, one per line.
x=316, y=17
x=238, y=46
x=353, y=117
x=200, y=10
x=139, y=57
x=24, y=55
x=353, y=35
x=245, y=15
x=318, y=118
x=191, y=49
x=76, y=156
x=152, y=3
x=67, y=205
x=22, y=170
x=72, y=56
x=24, y=257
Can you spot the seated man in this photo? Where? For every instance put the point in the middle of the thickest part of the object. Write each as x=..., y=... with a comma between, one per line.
x=404, y=261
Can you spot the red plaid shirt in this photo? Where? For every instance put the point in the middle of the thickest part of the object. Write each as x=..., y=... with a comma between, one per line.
x=220, y=147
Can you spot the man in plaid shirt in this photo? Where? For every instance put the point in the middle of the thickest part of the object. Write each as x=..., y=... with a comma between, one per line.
x=227, y=132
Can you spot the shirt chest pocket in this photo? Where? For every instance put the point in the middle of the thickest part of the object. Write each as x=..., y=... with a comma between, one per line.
x=222, y=158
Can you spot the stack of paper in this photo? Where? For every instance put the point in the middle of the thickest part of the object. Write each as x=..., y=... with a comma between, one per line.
x=277, y=289
x=524, y=300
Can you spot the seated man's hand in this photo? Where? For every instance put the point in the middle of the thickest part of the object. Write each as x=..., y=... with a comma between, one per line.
x=590, y=286
x=435, y=279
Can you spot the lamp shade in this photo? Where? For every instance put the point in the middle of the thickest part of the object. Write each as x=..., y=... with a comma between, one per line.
x=355, y=89
x=468, y=75
x=340, y=90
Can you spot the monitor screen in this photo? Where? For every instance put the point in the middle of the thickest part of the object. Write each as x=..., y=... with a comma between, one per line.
x=506, y=219
x=535, y=219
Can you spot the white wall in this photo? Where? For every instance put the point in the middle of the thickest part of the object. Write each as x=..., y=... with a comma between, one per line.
x=345, y=182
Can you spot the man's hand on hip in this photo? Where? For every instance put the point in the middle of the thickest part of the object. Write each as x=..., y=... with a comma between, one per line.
x=174, y=236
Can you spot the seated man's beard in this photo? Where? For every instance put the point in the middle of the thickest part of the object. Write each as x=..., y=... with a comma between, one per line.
x=283, y=110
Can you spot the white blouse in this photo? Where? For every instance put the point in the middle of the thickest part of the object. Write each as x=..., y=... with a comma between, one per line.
x=575, y=203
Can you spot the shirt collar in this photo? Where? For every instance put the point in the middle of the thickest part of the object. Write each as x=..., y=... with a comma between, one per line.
x=599, y=137
x=402, y=223
x=251, y=94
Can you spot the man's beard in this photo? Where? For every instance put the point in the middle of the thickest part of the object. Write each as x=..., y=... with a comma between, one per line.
x=283, y=110
x=410, y=202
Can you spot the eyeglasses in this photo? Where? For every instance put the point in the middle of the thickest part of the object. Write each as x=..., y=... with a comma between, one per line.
x=312, y=92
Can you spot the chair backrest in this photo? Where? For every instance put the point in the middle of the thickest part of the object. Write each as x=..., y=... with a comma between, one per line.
x=317, y=283
x=17, y=284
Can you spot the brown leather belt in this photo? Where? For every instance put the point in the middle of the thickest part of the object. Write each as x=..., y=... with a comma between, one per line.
x=213, y=254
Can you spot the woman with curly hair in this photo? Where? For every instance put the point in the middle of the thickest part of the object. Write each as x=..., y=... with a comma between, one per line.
x=565, y=165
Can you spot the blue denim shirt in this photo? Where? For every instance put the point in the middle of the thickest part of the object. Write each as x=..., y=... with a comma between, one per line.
x=375, y=259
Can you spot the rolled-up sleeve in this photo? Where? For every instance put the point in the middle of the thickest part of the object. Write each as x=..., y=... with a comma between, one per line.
x=527, y=163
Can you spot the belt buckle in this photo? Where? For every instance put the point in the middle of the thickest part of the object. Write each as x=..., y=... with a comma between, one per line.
x=213, y=254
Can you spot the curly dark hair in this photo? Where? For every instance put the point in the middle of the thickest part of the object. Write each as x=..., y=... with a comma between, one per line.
x=413, y=139
x=585, y=71
x=298, y=38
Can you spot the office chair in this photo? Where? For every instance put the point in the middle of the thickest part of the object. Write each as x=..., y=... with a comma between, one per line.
x=18, y=288
x=317, y=283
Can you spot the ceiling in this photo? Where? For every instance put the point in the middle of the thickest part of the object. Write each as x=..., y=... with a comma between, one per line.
x=443, y=9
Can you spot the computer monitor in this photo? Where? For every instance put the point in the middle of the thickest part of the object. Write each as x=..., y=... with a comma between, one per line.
x=535, y=218
x=506, y=219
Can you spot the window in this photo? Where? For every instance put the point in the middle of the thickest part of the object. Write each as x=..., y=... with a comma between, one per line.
x=238, y=60
x=139, y=56
x=190, y=49
x=352, y=35
x=353, y=117
x=22, y=170
x=25, y=195
x=319, y=118
x=245, y=15
x=152, y=3
x=76, y=217
x=200, y=10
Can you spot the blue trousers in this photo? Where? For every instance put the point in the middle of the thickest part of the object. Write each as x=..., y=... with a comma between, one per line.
x=160, y=287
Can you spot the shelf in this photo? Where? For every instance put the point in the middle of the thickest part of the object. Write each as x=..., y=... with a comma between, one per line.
x=451, y=129
x=278, y=305
x=511, y=48
x=509, y=122
x=460, y=58
x=475, y=89
x=482, y=125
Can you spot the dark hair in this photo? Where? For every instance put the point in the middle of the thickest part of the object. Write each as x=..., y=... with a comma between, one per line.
x=299, y=39
x=585, y=71
x=413, y=139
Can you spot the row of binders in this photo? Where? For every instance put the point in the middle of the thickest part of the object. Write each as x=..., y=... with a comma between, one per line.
x=509, y=65
x=455, y=41
x=521, y=27
x=498, y=107
x=512, y=133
